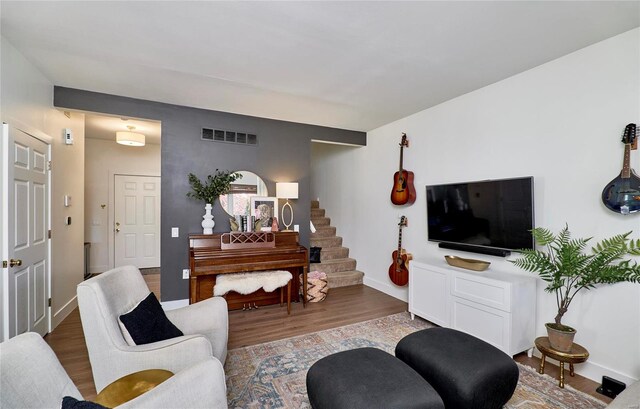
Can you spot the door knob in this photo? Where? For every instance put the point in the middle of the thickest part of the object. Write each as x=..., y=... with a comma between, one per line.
x=13, y=263
x=117, y=225
x=117, y=230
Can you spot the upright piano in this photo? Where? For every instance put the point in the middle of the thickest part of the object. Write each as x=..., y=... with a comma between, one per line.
x=213, y=254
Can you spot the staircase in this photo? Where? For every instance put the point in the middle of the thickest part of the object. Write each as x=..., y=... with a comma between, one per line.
x=334, y=258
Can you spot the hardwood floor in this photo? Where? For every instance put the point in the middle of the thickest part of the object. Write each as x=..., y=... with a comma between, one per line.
x=67, y=341
x=345, y=305
x=577, y=382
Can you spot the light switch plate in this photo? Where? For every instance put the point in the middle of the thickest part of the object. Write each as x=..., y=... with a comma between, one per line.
x=175, y=232
x=185, y=274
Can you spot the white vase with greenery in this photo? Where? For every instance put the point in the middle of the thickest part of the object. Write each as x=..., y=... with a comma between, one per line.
x=214, y=186
x=208, y=223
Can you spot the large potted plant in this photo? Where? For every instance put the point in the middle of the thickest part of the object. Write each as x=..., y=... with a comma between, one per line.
x=567, y=269
x=209, y=190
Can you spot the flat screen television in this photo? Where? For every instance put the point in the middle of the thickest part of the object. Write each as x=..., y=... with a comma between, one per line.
x=483, y=215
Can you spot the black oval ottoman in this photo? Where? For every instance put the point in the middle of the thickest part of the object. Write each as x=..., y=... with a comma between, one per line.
x=368, y=378
x=467, y=372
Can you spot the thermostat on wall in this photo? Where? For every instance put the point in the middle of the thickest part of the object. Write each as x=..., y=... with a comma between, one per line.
x=68, y=136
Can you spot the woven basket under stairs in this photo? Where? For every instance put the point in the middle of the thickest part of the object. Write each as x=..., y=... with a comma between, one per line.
x=317, y=286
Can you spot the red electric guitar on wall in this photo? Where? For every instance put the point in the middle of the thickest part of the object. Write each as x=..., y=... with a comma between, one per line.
x=399, y=269
x=403, y=191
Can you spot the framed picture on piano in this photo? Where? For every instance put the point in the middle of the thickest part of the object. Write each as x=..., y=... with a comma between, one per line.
x=263, y=209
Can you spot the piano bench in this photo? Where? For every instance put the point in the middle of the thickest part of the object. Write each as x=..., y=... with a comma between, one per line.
x=247, y=283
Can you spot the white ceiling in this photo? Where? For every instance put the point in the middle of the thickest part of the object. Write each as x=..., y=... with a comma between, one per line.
x=105, y=127
x=353, y=65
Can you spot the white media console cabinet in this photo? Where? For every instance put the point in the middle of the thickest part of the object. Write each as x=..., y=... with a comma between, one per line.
x=497, y=307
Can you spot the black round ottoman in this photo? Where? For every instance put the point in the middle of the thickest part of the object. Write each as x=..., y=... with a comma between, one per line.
x=368, y=378
x=467, y=372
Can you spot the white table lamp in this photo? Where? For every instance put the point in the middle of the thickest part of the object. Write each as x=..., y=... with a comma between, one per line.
x=287, y=191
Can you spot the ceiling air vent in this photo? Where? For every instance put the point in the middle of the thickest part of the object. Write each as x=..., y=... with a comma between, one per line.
x=219, y=135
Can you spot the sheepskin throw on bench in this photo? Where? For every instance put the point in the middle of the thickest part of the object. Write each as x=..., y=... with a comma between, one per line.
x=247, y=283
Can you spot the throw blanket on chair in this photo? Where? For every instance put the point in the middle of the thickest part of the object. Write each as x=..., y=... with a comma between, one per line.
x=247, y=283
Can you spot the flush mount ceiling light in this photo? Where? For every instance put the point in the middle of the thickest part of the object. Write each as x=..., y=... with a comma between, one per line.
x=130, y=138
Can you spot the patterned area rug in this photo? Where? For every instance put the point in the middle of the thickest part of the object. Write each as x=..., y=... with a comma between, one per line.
x=273, y=375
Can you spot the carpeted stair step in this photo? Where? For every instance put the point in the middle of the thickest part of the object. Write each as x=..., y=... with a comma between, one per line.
x=317, y=213
x=335, y=265
x=332, y=253
x=334, y=258
x=321, y=221
x=324, y=231
x=344, y=278
x=323, y=242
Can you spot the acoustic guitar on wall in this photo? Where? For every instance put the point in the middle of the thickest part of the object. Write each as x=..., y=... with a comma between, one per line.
x=622, y=194
x=399, y=269
x=403, y=191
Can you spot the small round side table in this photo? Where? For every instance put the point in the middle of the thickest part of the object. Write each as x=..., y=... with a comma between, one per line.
x=576, y=355
x=131, y=386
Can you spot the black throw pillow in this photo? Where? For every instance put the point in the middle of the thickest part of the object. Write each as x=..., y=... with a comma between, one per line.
x=148, y=323
x=69, y=402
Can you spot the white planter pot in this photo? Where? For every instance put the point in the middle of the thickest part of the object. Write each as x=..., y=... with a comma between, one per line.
x=208, y=223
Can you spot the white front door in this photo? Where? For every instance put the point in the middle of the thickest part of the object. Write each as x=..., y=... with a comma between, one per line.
x=137, y=221
x=26, y=248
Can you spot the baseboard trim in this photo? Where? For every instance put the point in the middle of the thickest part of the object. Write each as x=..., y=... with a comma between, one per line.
x=63, y=312
x=400, y=293
x=592, y=370
x=174, y=304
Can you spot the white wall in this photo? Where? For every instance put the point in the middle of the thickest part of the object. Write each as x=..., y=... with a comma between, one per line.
x=561, y=123
x=67, y=242
x=104, y=159
x=27, y=98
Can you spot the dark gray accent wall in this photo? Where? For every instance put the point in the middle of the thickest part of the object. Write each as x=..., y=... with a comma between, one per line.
x=282, y=155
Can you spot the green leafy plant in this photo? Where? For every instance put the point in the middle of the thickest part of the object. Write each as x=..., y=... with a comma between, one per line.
x=214, y=185
x=568, y=269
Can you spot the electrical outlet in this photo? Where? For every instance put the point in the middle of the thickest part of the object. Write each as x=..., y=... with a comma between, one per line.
x=185, y=274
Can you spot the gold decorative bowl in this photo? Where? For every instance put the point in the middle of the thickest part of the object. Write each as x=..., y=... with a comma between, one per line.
x=468, y=263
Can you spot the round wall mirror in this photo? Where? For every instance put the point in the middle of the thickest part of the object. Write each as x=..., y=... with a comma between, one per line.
x=238, y=200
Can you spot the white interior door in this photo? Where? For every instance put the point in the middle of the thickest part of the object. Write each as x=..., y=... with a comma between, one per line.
x=26, y=213
x=137, y=221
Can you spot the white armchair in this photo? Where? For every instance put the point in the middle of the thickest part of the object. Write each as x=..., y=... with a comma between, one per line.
x=32, y=377
x=628, y=398
x=104, y=298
